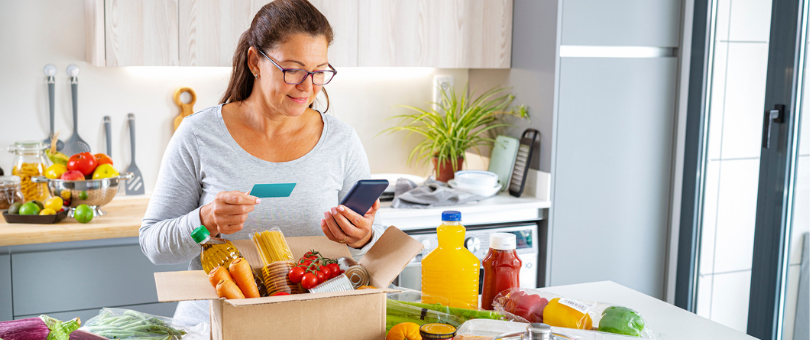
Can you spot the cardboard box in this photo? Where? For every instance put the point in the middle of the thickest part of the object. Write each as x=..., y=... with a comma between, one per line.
x=358, y=314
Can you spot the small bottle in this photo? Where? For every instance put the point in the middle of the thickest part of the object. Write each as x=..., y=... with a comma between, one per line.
x=501, y=267
x=215, y=251
x=450, y=272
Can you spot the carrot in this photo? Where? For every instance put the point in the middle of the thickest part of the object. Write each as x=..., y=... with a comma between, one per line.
x=218, y=273
x=243, y=276
x=229, y=290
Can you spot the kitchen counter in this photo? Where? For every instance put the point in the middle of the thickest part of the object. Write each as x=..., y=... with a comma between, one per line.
x=501, y=208
x=665, y=320
x=123, y=219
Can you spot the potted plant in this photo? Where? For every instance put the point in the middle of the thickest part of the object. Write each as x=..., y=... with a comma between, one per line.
x=456, y=124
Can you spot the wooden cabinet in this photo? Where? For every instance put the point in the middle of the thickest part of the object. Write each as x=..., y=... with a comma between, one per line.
x=429, y=33
x=210, y=29
x=435, y=33
x=140, y=32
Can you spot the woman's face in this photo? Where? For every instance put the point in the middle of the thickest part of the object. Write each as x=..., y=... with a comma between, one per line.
x=301, y=51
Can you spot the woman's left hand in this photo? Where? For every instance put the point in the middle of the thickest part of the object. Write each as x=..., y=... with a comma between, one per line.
x=343, y=225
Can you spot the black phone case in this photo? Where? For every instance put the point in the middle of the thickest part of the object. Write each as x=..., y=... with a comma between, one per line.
x=363, y=194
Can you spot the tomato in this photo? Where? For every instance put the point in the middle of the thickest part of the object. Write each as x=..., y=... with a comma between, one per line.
x=102, y=159
x=327, y=272
x=309, y=281
x=312, y=254
x=83, y=162
x=296, y=273
x=279, y=294
x=321, y=277
x=335, y=268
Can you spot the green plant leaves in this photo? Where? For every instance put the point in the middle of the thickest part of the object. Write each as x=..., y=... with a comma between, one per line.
x=457, y=123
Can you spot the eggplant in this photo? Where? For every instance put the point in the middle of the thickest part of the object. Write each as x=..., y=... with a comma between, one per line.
x=41, y=328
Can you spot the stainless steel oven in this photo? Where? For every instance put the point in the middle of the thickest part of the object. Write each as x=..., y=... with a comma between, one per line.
x=477, y=241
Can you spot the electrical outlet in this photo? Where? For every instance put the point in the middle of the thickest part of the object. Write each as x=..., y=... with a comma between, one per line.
x=445, y=82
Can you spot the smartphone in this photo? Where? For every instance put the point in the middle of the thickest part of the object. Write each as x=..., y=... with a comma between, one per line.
x=363, y=194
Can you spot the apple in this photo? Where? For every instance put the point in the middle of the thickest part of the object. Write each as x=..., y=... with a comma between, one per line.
x=83, y=162
x=72, y=175
x=104, y=171
x=102, y=159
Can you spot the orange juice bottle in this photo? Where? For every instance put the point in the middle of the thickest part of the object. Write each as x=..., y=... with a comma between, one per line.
x=450, y=272
x=215, y=251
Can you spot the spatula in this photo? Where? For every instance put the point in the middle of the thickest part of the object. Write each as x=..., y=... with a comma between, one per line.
x=135, y=185
x=50, y=71
x=75, y=144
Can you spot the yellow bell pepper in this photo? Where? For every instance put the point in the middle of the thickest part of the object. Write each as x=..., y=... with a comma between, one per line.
x=559, y=315
x=404, y=331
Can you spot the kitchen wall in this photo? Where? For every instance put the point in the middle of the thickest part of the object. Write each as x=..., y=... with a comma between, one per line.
x=534, y=61
x=35, y=33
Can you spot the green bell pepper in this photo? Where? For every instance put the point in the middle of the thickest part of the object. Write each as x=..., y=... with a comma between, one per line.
x=621, y=320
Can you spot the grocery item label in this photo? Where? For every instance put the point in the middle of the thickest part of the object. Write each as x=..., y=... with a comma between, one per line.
x=579, y=306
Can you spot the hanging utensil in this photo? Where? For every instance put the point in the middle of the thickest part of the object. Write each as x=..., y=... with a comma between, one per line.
x=108, y=135
x=185, y=109
x=50, y=71
x=135, y=185
x=75, y=144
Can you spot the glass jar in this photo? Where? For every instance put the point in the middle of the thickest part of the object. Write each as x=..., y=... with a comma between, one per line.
x=29, y=161
x=10, y=191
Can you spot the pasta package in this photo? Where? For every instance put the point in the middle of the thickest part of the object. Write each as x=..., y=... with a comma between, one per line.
x=272, y=246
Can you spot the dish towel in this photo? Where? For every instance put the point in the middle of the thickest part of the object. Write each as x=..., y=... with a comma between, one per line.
x=431, y=194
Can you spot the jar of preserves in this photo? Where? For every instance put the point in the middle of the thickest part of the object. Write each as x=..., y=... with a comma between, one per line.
x=10, y=191
x=29, y=161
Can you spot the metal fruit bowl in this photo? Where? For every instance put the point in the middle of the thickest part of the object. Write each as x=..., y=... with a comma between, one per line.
x=95, y=192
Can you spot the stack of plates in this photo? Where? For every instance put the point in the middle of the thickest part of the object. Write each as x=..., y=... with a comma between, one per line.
x=477, y=182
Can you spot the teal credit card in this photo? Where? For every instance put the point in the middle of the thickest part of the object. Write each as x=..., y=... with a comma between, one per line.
x=272, y=190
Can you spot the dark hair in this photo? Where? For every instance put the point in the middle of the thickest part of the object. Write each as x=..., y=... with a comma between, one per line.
x=273, y=24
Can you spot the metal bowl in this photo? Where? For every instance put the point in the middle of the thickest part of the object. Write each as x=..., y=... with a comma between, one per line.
x=95, y=193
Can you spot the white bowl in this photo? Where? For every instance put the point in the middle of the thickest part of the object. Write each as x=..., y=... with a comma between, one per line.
x=479, y=178
x=475, y=190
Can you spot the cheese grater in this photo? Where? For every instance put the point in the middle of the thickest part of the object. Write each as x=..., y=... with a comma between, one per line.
x=522, y=161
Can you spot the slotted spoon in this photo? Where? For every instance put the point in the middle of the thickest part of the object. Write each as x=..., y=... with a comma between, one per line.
x=75, y=144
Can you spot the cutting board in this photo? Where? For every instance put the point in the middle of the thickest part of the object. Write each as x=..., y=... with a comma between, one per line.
x=185, y=109
x=502, y=159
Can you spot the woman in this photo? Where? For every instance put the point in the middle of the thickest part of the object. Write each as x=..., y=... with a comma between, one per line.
x=264, y=131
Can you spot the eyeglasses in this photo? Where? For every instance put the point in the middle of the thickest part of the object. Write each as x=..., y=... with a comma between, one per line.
x=295, y=76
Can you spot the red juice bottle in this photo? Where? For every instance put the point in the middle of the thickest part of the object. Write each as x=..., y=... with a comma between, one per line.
x=501, y=267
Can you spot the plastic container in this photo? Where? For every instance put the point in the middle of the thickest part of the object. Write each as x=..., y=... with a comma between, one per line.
x=451, y=271
x=215, y=251
x=501, y=267
x=29, y=161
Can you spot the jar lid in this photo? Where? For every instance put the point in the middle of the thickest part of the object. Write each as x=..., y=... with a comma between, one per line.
x=27, y=145
x=502, y=241
x=451, y=215
x=437, y=331
x=9, y=181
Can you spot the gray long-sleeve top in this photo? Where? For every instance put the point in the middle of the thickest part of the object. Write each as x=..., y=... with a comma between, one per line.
x=202, y=159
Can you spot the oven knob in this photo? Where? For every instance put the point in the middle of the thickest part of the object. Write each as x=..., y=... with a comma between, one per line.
x=472, y=244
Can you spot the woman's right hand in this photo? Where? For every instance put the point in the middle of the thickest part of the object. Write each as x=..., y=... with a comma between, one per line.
x=228, y=212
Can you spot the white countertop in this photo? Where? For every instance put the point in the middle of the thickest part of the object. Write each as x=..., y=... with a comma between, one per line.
x=665, y=320
x=501, y=208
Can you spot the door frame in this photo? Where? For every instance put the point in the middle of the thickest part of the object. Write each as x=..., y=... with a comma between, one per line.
x=786, y=60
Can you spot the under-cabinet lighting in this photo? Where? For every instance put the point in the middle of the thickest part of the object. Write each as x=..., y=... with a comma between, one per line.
x=174, y=72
